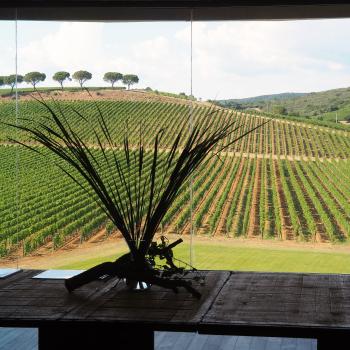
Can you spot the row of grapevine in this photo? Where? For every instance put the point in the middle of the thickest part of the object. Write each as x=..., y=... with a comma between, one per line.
x=286, y=180
x=291, y=203
x=54, y=208
x=280, y=138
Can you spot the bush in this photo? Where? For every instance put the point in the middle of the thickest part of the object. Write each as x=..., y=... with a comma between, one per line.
x=279, y=110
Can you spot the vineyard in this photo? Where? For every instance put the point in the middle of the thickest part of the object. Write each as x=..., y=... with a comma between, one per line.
x=287, y=180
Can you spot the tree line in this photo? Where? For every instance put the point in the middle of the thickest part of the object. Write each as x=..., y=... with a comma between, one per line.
x=61, y=77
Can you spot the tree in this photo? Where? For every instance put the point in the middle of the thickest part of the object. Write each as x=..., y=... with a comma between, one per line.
x=278, y=109
x=2, y=81
x=11, y=80
x=34, y=78
x=112, y=77
x=130, y=79
x=81, y=76
x=60, y=77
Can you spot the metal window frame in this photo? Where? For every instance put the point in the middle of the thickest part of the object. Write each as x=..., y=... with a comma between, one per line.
x=171, y=10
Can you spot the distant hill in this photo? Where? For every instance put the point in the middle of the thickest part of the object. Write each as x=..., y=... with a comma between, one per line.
x=324, y=106
x=264, y=98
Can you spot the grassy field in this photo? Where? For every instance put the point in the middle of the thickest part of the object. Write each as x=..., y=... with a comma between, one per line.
x=220, y=256
x=342, y=114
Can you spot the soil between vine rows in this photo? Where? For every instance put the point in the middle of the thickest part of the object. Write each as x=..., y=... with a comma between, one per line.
x=293, y=200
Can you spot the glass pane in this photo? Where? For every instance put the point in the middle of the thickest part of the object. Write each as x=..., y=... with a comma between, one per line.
x=277, y=196
x=278, y=200
x=58, y=225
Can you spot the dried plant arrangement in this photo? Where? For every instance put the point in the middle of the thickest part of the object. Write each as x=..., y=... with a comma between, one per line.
x=135, y=197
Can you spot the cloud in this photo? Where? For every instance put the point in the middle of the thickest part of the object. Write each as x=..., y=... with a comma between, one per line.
x=73, y=46
x=237, y=59
x=76, y=46
x=230, y=59
x=335, y=66
x=163, y=63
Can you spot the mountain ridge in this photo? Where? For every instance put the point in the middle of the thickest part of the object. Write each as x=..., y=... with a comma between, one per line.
x=278, y=96
x=330, y=105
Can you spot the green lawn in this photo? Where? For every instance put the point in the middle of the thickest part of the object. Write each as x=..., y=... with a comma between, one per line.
x=343, y=113
x=222, y=257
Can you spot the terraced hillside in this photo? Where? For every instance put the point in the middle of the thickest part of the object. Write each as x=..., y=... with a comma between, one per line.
x=287, y=180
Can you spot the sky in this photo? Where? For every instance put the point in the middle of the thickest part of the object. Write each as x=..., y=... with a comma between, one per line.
x=231, y=59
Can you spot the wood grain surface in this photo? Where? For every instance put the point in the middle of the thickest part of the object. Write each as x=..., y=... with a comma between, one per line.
x=25, y=301
x=246, y=303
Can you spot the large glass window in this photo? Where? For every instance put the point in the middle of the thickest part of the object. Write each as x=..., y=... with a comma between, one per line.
x=280, y=201
x=137, y=75
x=275, y=200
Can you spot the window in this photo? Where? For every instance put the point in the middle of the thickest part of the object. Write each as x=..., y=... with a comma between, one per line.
x=276, y=200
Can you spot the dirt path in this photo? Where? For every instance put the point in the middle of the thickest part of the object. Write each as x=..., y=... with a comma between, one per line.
x=290, y=157
x=187, y=228
x=221, y=227
x=69, y=254
x=254, y=222
x=239, y=212
x=287, y=229
x=205, y=229
x=114, y=245
x=320, y=235
x=104, y=94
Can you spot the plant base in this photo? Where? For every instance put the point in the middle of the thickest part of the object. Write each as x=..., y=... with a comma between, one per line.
x=137, y=286
x=138, y=276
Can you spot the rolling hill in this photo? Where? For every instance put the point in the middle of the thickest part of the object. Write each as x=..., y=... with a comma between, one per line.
x=287, y=181
x=322, y=106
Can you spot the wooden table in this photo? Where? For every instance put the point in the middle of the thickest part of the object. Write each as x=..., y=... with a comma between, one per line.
x=242, y=303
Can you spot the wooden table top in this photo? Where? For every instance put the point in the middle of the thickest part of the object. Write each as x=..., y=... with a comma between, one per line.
x=26, y=301
x=294, y=304
x=281, y=303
